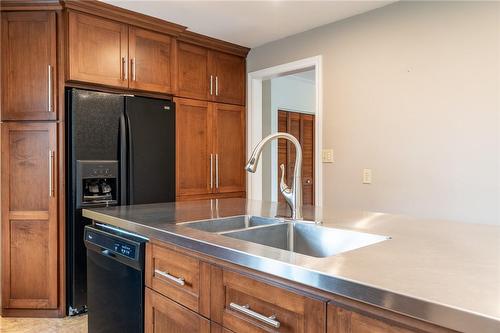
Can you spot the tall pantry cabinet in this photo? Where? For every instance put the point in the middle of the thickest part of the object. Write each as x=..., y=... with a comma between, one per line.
x=210, y=123
x=30, y=145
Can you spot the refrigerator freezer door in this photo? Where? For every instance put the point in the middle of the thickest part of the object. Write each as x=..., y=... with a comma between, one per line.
x=151, y=150
x=92, y=134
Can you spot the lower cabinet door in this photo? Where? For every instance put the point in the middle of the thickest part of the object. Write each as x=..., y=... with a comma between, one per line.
x=29, y=216
x=163, y=315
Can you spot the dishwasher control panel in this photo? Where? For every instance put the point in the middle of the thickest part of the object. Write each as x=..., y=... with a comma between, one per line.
x=110, y=243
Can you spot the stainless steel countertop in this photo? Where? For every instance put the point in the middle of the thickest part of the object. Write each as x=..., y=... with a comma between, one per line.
x=447, y=273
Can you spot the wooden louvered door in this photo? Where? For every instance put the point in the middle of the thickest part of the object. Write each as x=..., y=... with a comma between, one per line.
x=301, y=126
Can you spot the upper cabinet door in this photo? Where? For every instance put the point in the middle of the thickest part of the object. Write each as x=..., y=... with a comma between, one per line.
x=29, y=66
x=193, y=78
x=98, y=50
x=151, y=62
x=229, y=71
x=229, y=148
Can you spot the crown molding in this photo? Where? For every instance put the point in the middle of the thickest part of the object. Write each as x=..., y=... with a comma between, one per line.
x=23, y=5
x=108, y=11
x=213, y=43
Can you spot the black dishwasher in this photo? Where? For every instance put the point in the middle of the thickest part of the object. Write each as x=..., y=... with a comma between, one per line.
x=115, y=280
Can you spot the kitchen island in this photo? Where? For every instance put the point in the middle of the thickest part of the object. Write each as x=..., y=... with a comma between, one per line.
x=426, y=275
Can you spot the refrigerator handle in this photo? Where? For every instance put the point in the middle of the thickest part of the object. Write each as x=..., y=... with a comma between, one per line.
x=123, y=161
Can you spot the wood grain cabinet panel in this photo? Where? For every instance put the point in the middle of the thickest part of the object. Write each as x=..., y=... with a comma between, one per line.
x=29, y=216
x=210, y=148
x=29, y=69
x=230, y=78
x=98, y=50
x=340, y=320
x=165, y=316
x=183, y=278
x=229, y=147
x=210, y=75
x=193, y=78
x=150, y=60
x=216, y=328
x=193, y=147
x=294, y=312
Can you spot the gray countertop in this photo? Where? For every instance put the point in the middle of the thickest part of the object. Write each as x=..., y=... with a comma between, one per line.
x=447, y=273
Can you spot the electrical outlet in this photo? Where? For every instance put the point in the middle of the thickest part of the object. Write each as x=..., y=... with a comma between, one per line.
x=327, y=156
x=367, y=176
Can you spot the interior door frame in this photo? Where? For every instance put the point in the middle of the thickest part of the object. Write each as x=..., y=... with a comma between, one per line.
x=254, y=119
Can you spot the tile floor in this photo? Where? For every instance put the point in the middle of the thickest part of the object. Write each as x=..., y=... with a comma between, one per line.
x=76, y=324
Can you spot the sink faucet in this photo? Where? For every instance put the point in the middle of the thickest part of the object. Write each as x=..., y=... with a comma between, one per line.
x=293, y=195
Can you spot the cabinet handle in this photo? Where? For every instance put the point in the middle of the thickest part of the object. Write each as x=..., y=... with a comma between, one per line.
x=245, y=309
x=133, y=68
x=211, y=85
x=211, y=171
x=49, y=88
x=216, y=86
x=217, y=171
x=125, y=68
x=178, y=280
x=51, y=173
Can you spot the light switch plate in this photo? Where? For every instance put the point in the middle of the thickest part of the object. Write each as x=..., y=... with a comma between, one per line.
x=327, y=156
x=367, y=176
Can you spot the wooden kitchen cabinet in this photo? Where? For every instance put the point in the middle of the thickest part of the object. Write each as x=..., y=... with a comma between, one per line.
x=107, y=52
x=193, y=78
x=233, y=293
x=193, y=147
x=229, y=147
x=210, y=75
x=183, y=278
x=97, y=50
x=341, y=320
x=216, y=328
x=163, y=315
x=150, y=56
x=29, y=71
x=229, y=71
x=210, y=148
x=29, y=216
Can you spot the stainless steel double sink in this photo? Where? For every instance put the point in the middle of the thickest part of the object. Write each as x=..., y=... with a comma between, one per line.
x=296, y=236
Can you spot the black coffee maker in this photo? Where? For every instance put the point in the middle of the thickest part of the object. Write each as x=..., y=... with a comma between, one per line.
x=97, y=183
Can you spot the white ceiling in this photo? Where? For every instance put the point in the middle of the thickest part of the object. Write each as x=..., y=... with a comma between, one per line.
x=250, y=23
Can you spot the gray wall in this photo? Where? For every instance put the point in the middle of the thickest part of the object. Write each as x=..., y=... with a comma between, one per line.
x=411, y=91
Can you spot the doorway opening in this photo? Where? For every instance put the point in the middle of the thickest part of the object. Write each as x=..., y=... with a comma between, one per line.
x=286, y=98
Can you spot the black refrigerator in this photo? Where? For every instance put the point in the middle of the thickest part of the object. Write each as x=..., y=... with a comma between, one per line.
x=120, y=151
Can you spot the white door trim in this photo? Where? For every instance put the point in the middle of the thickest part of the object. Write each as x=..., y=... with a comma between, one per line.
x=254, y=119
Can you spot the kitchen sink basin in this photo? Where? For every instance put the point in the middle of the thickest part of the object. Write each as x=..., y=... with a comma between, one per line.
x=230, y=223
x=307, y=239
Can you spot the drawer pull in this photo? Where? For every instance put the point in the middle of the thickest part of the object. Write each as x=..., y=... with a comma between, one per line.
x=178, y=280
x=245, y=309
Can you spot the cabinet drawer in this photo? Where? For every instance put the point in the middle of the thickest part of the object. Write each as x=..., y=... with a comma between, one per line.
x=243, y=304
x=180, y=277
x=164, y=315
